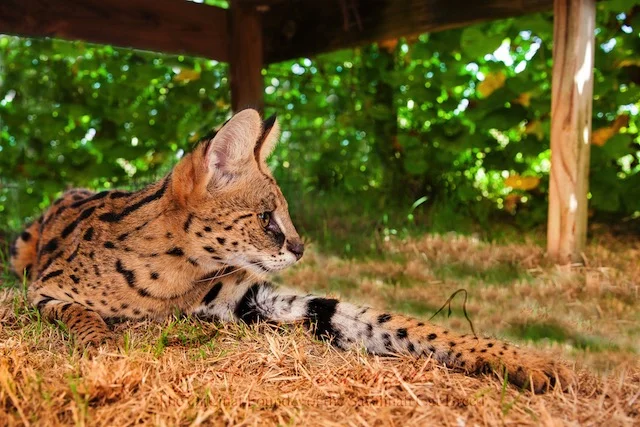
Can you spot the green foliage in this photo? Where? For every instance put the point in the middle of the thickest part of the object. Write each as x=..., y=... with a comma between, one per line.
x=444, y=119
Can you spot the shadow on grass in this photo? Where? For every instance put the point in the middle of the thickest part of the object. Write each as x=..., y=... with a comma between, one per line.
x=500, y=274
x=554, y=332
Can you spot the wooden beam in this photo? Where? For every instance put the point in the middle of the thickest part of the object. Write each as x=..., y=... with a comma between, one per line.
x=300, y=28
x=572, y=96
x=167, y=26
x=245, y=57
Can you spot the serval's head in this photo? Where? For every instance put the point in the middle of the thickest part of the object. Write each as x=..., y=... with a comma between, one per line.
x=226, y=186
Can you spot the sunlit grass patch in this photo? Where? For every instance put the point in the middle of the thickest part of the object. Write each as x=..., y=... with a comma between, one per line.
x=188, y=370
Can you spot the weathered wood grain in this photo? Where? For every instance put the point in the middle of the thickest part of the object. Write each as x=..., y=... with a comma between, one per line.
x=160, y=25
x=572, y=96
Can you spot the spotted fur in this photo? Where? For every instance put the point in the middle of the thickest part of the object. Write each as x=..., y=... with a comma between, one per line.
x=202, y=240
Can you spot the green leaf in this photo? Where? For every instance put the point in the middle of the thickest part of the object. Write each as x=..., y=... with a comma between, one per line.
x=617, y=146
x=475, y=42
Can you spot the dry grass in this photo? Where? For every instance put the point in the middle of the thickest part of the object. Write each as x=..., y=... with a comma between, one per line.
x=185, y=372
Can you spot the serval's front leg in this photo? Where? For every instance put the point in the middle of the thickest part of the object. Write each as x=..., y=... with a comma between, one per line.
x=349, y=326
x=86, y=326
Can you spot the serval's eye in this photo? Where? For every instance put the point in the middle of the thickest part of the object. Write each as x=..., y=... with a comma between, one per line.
x=265, y=219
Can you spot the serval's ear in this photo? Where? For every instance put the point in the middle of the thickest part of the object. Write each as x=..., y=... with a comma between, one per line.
x=232, y=147
x=218, y=160
x=268, y=140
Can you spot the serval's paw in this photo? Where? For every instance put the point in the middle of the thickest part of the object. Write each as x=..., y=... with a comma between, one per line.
x=96, y=340
x=522, y=368
x=525, y=369
x=539, y=373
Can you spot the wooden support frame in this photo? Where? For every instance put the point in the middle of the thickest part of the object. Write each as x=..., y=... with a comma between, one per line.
x=292, y=28
x=571, y=105
x=166, y=26
x=245, y=57
x=304, y=28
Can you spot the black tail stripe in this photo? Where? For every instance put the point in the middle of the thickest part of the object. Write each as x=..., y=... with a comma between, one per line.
x=247, y=309
x=321, y=311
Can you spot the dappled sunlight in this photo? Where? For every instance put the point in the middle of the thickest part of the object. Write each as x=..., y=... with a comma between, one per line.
x=585, y=70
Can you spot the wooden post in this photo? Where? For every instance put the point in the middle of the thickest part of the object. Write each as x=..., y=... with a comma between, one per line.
x=245, y=57
x=572, y=95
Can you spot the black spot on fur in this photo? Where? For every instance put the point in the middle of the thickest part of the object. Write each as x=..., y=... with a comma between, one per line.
x=109, y=245
x=193, y=261
x=432, y=337
x=88, y=235
x=98, y=196
x=187, y=223
x=369, y=330
x=51, y=275
x=122, y=237
x=118, y=194
x=26, y=236
x=50, y=261
x=207, y=229
x=50, y=246
x=221, y=240
x=212, y=294
x=44, y=301
x=154, y=275
x=241, y=217
x=175, y=251
x=72, y=226
x=129, y=275
x=401, y=333
x=209, y=249
x=386, y=339
x=109, y=217
x=117, y=217
x=75, y=278
x=383, y=318
x=74, y=254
